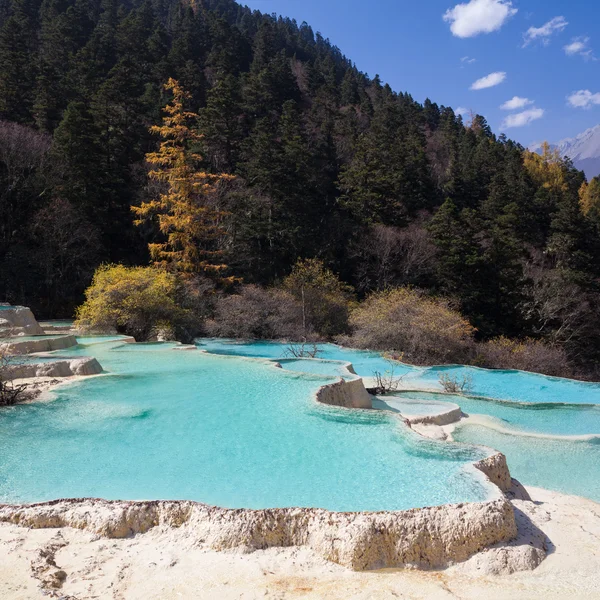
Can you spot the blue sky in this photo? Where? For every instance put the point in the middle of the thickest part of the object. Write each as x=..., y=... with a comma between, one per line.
x=548, y=51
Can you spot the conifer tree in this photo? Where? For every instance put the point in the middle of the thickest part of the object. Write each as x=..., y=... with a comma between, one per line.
x=190, y=223
x=18, y=42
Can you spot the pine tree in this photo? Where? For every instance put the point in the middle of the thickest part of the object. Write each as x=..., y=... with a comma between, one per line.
x=18, y=44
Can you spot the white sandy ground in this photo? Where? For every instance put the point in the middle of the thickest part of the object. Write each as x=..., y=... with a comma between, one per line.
x=160, y=566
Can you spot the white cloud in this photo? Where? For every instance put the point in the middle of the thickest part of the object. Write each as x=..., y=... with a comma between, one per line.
x=468, y=60
x=515, y=103
x=523, y=118
x=544, y=32
x=478, y=16
x=578, y=45
x=489, y=80
x=583, y=99
x=461, y=110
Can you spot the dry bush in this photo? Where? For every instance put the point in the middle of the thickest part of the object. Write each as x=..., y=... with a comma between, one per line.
x=387, y=382
x=10, y=393
x=453, y=384
x=524, y=355
x=302, y=349
x=391, y=256
x=425, y=329
x=257, y=313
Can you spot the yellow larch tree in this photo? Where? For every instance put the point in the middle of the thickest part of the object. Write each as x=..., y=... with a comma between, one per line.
x=186, y=212
x=589, y=198
x=546, y=169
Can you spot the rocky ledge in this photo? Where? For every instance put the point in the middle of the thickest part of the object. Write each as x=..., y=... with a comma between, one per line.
x=423, y=538
x=57, y=368
x=346, y=394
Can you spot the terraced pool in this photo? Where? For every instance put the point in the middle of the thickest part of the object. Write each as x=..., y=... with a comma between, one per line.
x=215, y=427
x=223, y=430
x=529, y=417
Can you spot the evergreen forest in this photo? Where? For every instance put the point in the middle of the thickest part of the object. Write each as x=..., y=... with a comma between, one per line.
x=299, y=156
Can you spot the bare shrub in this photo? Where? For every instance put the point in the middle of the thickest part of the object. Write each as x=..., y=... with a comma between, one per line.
x=10, y=393
x=387, y=382
x=426, y=330
x=524, y=355
x=257, y=313
x=453, y=384
x=22, y=156
x=391, y=256
x=302, y=349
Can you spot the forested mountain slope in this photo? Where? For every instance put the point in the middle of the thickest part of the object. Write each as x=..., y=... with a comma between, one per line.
x=329, y=163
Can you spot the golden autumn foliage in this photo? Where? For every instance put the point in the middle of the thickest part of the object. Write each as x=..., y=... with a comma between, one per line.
x=546, y=169
x=138, y=301
x=187, y=216
x=525, y=355
x=589, y=198
x=426, y=330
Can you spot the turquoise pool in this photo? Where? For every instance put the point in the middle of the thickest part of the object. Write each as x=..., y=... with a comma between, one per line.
x=572, y=467
x=547, y=419
x=221, y=430
x=517, y=386
x=528, y=405
x=365, y=363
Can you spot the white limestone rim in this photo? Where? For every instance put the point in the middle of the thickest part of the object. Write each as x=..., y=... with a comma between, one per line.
x=449, y=412
x=43, y=343
x=432, y=537
x=67, y=367
x=496, y=425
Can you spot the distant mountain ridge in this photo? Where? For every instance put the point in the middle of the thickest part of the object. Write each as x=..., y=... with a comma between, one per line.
x=583, y=150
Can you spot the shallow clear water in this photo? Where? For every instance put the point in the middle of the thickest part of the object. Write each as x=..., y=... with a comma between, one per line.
x=520, y=386
x=572, y=467
x=226, y=431
x=98, y=339
x=537, y=405
x=411, y=405
x=517, y=386
x=550, y=419
x=365, y=363
x=33, y=338
x=57, y=323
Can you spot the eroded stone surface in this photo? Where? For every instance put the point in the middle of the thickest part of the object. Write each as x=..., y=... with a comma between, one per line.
x=19, y=320
x=496, y=470
x=425, y=538
x=345, y=393
x=42, y=344
x=60, y=368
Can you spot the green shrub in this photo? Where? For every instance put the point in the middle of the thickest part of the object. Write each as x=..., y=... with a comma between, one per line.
x=325, y=300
